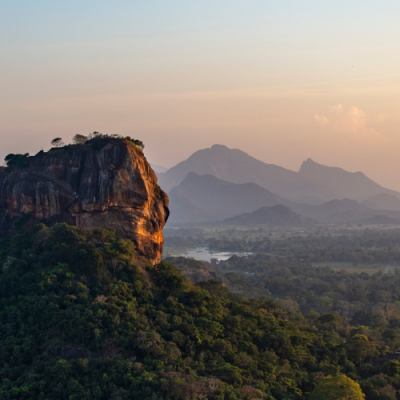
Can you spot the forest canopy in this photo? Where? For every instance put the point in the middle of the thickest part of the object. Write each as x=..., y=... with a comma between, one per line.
x=82, y=316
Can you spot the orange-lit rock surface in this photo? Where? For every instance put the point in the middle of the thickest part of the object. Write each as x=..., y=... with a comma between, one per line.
x=106, y=182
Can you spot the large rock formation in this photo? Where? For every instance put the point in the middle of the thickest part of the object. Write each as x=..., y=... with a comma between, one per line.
x=105, y=182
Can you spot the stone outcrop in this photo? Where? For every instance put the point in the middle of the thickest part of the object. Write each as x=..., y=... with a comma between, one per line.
x=105, y=182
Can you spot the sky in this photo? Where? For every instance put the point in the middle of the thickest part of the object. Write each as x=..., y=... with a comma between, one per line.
x=282, y=80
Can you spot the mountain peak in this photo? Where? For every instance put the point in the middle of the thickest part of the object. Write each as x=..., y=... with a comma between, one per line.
x=313, y=181
x=219, y=147
x=311, y=166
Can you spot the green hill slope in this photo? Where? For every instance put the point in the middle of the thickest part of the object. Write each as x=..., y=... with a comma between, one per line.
x=81, y=317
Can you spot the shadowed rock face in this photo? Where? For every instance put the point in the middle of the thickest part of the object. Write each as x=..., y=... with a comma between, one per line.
x=106, y=182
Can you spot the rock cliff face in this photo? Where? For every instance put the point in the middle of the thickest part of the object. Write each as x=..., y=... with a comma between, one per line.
x=106, y=182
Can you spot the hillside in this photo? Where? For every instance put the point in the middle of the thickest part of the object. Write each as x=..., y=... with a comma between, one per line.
x=185, y=211
x=343, y=211
x=97, y=322
x=217, y=198
x=383, y=201
x=344, y=184
x=278, y=215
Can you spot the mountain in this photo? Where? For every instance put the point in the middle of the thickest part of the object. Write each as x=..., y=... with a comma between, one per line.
x=200, y=199
x=313, y=184
x=104, y=182
x=158, y=168
x=383, y=201
x=342, y=211
x=217, y=199
x=184, y=211
x=343, y=184
x=278, y=215
x=345, y=210
x=236, y=166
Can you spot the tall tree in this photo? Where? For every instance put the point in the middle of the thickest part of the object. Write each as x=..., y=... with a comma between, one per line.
x=338, y=387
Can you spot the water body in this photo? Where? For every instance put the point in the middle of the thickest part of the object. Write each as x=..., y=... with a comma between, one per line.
x=202, y=254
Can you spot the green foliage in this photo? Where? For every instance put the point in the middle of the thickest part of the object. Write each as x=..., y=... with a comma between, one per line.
x=17, y=160
x=57, y=142
x=100, y=140
x=79, y=139
x=138, y=143
x=365, y=299
x=392, y=368
x=134, y=330
x=362, y=247
x=337, y=388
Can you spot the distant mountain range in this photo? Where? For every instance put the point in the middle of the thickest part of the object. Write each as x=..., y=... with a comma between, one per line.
x=217, y=199
x=207, y=199
x=345, y=211
x=383, y=201
x=158, y=168
x=278, y=215
x=313, y=184
x=341, y=184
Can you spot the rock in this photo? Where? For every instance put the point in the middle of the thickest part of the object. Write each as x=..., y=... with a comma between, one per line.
x=105, y=182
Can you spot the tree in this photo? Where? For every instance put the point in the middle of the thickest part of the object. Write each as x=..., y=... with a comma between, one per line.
x=338, y=387
x=17, y=160
x=359, y=349
x=57, y=142
x=138, y=143
x=388, y=311
x=79, y=139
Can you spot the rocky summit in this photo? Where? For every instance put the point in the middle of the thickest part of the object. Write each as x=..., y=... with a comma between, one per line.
x=104, y=182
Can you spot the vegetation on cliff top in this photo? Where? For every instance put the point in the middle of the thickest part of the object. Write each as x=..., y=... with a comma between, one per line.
x=96, y=140
x=81, y=317
x=17, y=160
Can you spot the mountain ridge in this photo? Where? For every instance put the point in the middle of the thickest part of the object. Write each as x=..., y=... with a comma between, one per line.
x=345, y=184
x=314, y=183
x=207, y=199
x=279, y=215
x=217, y=199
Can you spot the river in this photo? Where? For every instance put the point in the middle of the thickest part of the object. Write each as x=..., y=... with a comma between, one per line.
x=201, y=253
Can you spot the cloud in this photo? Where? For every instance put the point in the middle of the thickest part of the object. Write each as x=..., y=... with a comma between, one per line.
x=380, y=117
x=338, y=109
x=321, y=120
x=350, y=121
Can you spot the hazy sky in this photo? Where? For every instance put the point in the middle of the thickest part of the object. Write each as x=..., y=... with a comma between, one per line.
x=281, y=80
